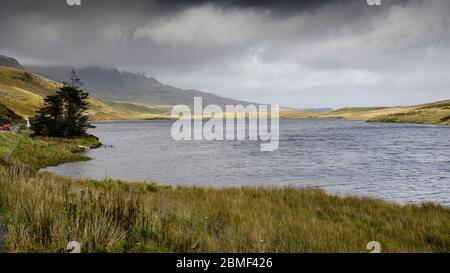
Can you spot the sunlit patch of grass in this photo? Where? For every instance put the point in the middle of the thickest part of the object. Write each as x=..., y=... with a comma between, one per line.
x=43, y=151
x=439, y=114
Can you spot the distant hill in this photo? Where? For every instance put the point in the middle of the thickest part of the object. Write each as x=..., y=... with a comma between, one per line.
x=430, y=113
x=10, y=62
x=114, y=85
x=317, y=110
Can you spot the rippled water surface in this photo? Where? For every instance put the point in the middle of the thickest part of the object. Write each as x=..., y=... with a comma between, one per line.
x=403, y=163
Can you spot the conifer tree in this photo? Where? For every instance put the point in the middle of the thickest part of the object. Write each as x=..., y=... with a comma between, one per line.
x=64, y=114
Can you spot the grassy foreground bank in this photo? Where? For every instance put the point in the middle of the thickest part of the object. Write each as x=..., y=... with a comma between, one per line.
x=42, y=212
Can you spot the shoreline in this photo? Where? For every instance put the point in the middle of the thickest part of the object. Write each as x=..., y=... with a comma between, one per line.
x=78, y=153
x=437, y=113
x=374, y=121
x=147, y=217
x=222, y=187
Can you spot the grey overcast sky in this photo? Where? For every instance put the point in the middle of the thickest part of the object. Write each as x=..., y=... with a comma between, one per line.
x=295, y=53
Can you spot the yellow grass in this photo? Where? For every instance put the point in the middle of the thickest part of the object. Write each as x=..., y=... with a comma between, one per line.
x=433, y=113
x=43, y=212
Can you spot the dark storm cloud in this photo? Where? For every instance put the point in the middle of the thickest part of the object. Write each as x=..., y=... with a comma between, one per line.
x=167, y=5
x=104, y=31
x=305, y=53
x=51, y=31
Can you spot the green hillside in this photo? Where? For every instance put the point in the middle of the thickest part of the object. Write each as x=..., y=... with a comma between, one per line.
x=8, y=116
x=22, y=92
x=431, y=113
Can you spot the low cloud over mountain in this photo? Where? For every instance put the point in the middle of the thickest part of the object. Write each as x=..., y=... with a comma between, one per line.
x=296, y=53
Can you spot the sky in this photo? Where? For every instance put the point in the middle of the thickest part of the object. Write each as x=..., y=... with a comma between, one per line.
x=303, y=54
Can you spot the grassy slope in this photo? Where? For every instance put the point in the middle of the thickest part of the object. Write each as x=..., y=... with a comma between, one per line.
x=44, y=211
x=135, y=111
x=8, y=116
x=433, y=113
x=23, y=93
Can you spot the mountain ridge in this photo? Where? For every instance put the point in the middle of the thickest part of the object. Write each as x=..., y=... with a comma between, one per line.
x=123, y=86
x=10, y=62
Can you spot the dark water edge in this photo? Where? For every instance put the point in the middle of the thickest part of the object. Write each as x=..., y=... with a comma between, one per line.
x=404, y=163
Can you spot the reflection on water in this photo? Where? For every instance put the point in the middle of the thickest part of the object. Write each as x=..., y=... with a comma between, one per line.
x=403, y=163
